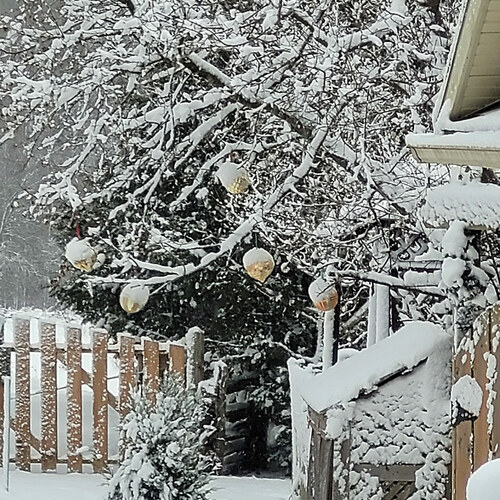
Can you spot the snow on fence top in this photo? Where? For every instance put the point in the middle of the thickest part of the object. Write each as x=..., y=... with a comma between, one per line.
x=363, y=372
x=475, y=204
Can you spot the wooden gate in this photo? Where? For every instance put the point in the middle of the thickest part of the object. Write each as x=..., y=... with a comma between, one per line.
x=138, y=362
x=474, y=443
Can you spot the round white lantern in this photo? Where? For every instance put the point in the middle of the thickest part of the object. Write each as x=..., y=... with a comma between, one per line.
x=134, y=297
x=81, y=254
x=323, y=294
x=233, y=177
x=259, y=264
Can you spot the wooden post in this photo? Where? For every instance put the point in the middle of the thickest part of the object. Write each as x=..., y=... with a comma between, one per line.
x=495, y=334
x=127, y=383
x=220, y=383
x=195, y=349
x=479, y=368
x=74, y=398
x=177, y=356
x=151, y=379
x=100, y=406
x=462, y=436
x=49, y=397
x=22, y=388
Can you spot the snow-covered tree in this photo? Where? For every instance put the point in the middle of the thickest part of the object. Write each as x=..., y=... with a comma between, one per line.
x=164, y=448
x=138, y=104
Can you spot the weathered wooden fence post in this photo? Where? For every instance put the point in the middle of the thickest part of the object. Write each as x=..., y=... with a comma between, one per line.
x=126, y=346
x=22, y=388
x=151, y=380
x=74, y=398
x=195, y=352
x=49, y=396
x=100, y=410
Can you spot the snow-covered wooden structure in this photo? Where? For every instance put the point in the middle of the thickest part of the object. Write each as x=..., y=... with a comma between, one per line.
x=376, y=425
x=467, y=116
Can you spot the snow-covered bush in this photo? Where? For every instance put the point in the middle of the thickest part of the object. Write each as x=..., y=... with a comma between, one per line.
x=164, y=456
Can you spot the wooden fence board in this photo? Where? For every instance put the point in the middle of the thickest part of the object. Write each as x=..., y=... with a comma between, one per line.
x=100, y=406
x=151, y=369
x=479, y=367
x=127, y=382
x=49, y=396
x=462, y=436
x=22, y=388
x=74, y=398
x=495, y=349
x=178, y=360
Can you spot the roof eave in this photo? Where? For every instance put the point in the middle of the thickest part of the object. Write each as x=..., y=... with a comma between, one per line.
x=474, y=156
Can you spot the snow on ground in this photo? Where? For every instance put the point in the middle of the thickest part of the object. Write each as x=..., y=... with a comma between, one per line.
x=27, y=486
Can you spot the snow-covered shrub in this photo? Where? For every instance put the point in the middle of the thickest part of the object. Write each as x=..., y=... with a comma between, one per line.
x=164, y=456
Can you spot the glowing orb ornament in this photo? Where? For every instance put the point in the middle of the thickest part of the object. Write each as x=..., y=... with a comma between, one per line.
x=259, y=264
x=233, y=177
x=323, y=294
x=134, y=297
x=81, y=254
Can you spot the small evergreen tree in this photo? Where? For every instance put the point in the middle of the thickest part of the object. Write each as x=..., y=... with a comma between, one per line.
x=164, y=456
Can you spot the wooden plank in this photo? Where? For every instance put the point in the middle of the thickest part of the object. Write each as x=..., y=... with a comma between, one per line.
x=491, y=26
x=127, y=380
x=462, y=436
x=74, y=398
x=493, y=16
x=34, y=442
x=495, y=349
x=313, y=447
x=49, y=396
x=22, y=388
x=488, y=41
x=485, y=81
x=100, y=403
x=178, y=360
x=494, y=6
x=404, y=473
x=324, y=470
x=151, y=369
x=479, y=366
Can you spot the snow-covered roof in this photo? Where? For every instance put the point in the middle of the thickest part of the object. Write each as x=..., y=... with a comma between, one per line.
x=475, y=204
x=471, y=86
x=365, y=371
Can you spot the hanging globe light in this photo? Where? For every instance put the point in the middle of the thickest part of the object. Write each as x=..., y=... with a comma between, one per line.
x=259, y=264
x=233, y=177
x=81, y=254
x=134, y=297
x=323, y=294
